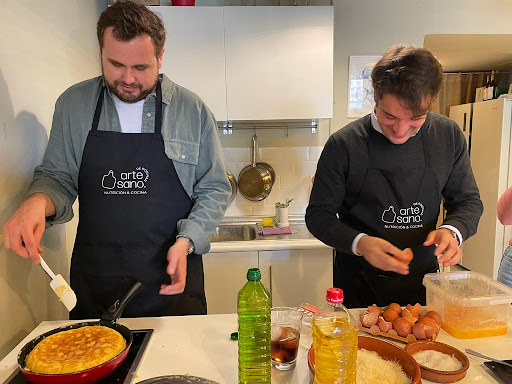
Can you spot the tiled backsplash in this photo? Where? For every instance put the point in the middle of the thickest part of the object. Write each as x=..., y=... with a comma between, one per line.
x=294, y=167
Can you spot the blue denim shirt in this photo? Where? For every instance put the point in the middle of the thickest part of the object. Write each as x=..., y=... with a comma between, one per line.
x=191, y=141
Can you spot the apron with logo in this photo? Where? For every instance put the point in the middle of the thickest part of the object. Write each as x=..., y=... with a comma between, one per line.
x=130, y=200
x=402, y=207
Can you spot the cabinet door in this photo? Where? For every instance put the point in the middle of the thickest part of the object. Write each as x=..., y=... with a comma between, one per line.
x=294, y=277
x=194, y=53
x=279, y=62
x=224, y=275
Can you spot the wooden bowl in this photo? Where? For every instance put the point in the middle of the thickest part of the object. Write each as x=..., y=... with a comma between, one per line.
x=434, y=374
x=385, y=350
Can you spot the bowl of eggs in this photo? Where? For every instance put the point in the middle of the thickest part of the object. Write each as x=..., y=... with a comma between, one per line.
x=439, y=362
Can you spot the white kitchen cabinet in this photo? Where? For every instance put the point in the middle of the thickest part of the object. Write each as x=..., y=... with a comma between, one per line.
x=253, y=63
x=224, y=275
x=194, y=53
x=294, y=277
x=279, y=62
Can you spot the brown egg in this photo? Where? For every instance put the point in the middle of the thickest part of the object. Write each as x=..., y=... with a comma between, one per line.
x=429, y=321
x=418, y=309
x=374, y=309
x=368, y=319
x=419, y=331
x=384, y=326
x=389, y=315
x=410, y=309
x=402, y=326
x=429, y=331
x=395, y=307
x=410, y=319
x=434, y=315
x=405, y=256
x=407, y=313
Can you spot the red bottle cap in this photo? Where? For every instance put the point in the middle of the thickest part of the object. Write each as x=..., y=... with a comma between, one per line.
x=334, y=295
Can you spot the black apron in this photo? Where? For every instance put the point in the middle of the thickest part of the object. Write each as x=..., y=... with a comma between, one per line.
x=402, y=207
x=130, y=200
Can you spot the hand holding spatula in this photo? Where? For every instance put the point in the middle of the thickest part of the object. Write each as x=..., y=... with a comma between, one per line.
x=61, y=287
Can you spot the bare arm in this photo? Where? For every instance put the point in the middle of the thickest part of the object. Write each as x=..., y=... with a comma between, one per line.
x=504, y=207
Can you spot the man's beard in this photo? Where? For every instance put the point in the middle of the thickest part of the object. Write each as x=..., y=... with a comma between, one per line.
x=128, y=97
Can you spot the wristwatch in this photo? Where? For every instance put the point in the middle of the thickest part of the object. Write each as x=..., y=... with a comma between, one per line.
x=190, y=243
x=454, y=235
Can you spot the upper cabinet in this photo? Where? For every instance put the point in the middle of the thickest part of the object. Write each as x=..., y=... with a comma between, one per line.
x=194, y=53
x=253, y=63
x=279, y=62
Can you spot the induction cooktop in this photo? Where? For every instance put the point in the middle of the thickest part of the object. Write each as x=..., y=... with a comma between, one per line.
x=124, y=374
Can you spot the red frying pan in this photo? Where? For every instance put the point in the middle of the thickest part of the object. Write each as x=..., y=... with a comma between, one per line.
x=93, y=374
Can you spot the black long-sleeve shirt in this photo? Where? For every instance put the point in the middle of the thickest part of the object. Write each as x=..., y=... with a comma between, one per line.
x=343, y=165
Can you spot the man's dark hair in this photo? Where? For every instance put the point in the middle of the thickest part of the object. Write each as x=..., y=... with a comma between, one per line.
x=130, y=20
x=410, y=74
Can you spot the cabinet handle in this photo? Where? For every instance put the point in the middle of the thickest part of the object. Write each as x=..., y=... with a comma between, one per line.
x=270, y=283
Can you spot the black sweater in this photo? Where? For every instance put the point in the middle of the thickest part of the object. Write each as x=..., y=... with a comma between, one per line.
x=343, y=165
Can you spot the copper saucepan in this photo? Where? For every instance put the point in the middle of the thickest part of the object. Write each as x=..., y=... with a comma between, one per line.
x=93, y=374
x=256, y=180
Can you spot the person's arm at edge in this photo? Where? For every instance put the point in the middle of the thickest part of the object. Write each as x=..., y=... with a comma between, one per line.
x=504, y=207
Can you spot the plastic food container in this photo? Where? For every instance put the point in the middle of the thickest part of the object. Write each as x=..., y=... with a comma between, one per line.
x=471, y=305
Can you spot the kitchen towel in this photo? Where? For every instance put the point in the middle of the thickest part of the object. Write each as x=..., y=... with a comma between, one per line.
x=275, y=231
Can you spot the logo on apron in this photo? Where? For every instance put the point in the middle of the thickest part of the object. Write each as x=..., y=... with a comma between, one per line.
x=125, y=183
x=404, y=218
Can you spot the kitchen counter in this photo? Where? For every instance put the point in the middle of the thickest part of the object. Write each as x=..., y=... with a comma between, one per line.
x=300, y=238
x=200, y=346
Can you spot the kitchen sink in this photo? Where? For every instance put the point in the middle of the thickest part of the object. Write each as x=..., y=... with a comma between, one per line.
x=235, y=232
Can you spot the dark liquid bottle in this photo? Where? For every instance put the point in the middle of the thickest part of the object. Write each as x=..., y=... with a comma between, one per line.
x=492, y=89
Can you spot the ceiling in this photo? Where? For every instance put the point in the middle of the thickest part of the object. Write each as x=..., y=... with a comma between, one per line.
x=471, y=52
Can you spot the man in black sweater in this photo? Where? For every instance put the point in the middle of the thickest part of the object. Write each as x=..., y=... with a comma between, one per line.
x=379, y=185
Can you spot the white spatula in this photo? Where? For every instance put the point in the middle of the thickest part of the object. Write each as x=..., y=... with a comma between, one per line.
x=61, y=288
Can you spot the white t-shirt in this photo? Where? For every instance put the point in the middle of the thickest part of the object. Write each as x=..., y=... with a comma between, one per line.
x=130, y=115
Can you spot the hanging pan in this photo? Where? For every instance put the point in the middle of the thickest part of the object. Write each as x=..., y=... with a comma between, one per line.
x=234, y=186
x=256, y=180
x=93, y=374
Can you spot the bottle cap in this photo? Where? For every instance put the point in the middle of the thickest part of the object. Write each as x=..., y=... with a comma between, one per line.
x=234, y=336
x=334, y=295
x=253, y=274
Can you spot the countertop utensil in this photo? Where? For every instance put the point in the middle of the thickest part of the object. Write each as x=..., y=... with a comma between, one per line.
x=61, y=287
x=474, y=353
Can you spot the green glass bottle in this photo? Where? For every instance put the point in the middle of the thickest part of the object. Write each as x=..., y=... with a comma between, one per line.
x=254, y=365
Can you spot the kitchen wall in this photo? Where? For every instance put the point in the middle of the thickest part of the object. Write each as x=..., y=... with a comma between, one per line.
x=294, y=168
x=368, y=27
x=45, y=47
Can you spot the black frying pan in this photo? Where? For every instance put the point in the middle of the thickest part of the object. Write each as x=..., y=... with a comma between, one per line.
x=93, y=374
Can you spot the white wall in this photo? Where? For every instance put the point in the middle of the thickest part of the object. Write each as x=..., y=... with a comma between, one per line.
x=45, y=46
x=368, y=27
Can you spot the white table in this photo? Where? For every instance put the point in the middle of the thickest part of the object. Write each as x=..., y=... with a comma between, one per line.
x=201, y=346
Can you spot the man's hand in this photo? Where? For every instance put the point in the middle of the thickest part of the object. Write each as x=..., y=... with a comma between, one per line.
x=447, y=250
x=379, y=253
x=177, y=268
x=23, y=231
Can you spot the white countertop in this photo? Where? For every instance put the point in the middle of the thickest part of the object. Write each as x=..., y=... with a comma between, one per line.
x=200, y=346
